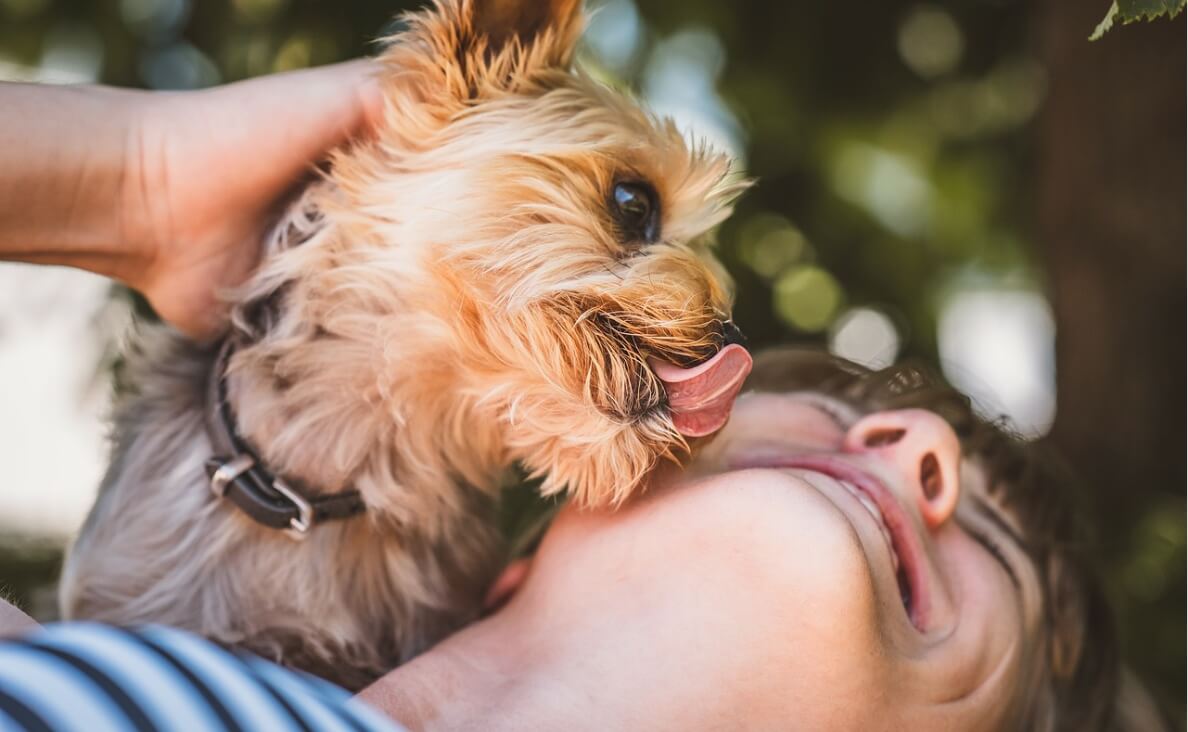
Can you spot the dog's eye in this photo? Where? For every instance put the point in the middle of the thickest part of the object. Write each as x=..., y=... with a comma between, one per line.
x=633, y=204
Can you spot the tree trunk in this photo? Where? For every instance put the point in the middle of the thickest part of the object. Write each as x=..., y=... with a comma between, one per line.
x=1112, y=237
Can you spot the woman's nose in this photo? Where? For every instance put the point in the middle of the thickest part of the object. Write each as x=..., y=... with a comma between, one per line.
x=922, y=449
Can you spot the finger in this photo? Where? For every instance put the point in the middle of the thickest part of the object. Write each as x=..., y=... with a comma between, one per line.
x=318, y=94
x=287, y=121
x=354, y=84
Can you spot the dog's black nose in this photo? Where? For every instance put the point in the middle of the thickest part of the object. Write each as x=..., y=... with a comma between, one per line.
x=731, y=334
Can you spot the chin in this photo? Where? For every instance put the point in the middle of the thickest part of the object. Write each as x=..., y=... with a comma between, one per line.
x=801, y=549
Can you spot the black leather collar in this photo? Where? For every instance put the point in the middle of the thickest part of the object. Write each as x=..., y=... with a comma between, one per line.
x=238, y=474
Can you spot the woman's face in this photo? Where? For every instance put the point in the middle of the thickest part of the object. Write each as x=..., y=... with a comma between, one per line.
x=812, y=568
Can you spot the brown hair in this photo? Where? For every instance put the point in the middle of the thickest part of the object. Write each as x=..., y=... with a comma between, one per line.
x=1077, y=682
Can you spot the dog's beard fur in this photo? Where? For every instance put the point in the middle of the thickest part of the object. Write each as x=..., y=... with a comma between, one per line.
x=453, y=298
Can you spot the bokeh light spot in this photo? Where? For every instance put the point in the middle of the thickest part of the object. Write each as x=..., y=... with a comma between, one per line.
x=680, y=81
x=890, y=187
x=73, y=54
x=807, y=298
x=1005, y=99
x=1157, y=556
x=769, y=245
x=615, y=34
x=155, y=19
x=258, y=11
x=178, y=66
x=998, y=346
x=23, y=8
x=866, y=336
x=930, y=42
x=295, y=53
x=776, y=250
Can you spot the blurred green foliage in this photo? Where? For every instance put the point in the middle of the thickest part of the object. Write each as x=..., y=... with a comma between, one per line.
x=893, y=147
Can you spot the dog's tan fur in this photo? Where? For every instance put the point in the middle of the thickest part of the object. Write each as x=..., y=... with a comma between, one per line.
x=452, y=299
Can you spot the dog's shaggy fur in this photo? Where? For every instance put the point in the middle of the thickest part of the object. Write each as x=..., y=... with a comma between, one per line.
x=452, y=299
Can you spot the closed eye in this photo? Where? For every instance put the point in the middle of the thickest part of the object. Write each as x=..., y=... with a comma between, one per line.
x=843, y=417
x=996, y=551
x=992, y=546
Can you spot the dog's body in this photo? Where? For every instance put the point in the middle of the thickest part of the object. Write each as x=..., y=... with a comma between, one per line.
x=485, y=283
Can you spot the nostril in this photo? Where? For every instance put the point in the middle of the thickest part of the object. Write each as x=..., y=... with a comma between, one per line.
x=930, y=477
x=882, y=438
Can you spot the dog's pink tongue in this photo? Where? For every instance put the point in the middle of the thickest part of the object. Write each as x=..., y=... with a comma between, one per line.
x=700, y=398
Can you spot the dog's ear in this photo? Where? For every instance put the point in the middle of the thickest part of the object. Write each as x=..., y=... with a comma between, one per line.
x=461, y=51
x=475, y=48
x=552, y=23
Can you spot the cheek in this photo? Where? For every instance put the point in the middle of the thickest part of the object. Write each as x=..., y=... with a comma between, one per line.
x=791, y=562
x=991, y=634
x=752, y=582
x=787, y=587
x=980, y=584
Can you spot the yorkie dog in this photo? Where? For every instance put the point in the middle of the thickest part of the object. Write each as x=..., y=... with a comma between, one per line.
x=515, y=270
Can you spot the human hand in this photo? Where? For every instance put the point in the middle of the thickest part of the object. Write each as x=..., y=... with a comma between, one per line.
x=209, y=171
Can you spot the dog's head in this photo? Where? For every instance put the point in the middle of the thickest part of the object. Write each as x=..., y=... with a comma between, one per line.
x=564, y=232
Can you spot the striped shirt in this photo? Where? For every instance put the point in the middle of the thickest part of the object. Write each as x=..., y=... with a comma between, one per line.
x=87, y=677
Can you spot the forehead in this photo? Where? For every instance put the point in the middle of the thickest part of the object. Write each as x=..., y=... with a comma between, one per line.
x=565, y=109
x=574, y=121
x=570, y=140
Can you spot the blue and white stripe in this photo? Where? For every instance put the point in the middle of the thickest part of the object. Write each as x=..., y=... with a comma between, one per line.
x=95, y=678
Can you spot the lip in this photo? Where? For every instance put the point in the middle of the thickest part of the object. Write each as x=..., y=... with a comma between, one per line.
x=904, y=540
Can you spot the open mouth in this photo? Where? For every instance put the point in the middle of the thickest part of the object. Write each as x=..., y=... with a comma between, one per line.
x=700, y=397
x=877, y=499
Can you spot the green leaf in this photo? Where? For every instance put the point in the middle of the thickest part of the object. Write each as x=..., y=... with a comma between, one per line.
x=1132, y=10
x=1129, y=11
x=1106, y=22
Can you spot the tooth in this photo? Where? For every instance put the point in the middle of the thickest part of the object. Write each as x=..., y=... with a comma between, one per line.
x=871, y=506
x=873, y=509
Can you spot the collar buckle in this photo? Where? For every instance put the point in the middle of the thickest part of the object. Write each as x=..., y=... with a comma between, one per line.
x=228, y=472
x=300, y=524
x=244, y=481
